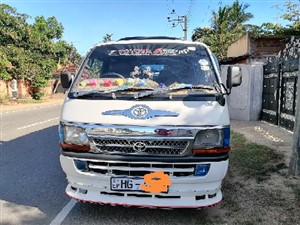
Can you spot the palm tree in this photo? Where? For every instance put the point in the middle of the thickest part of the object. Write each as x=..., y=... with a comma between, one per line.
x=227, y=25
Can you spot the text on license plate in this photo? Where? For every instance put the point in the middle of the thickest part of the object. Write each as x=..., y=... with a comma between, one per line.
x=126, y=183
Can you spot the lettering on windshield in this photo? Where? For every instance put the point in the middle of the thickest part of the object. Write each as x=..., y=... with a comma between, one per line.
x=158, y=51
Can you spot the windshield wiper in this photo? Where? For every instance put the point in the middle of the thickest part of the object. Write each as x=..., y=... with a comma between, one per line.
x=86, y=93
x=119, y=89
x=168, y=90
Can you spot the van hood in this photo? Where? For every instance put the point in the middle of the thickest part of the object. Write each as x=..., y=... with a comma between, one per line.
x=145, y=113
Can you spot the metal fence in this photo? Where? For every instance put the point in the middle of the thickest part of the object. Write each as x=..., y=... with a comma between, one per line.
x=280, y=87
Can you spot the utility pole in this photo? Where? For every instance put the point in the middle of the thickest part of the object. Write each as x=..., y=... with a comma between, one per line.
x=294, y=167
x=185, y=28
x=179, y=21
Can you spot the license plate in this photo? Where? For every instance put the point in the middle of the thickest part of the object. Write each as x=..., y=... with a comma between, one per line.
x=126, y=183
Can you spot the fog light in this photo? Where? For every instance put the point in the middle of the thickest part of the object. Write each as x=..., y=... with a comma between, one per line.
x=81, y=165
x=226, y=137
x=202, y=170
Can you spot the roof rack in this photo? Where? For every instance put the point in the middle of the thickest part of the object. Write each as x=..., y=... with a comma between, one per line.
x=149, y=38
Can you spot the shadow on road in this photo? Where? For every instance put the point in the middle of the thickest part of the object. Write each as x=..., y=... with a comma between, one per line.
x=92, y=214
x=33, y=184
x=31, y=177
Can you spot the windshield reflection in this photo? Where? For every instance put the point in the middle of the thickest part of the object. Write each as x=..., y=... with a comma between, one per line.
x=108, y=69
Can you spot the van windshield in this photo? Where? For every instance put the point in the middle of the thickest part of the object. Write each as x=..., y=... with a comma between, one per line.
x=145, y=66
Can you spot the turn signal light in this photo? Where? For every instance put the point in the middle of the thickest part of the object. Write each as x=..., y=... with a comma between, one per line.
x=83, y=148
x=211, y=151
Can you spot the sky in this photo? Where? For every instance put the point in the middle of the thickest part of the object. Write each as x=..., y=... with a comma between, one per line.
x=85, y=22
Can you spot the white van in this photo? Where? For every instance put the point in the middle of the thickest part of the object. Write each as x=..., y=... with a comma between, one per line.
x=145, y=123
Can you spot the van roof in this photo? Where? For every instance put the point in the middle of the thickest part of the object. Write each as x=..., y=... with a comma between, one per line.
x=149, y=38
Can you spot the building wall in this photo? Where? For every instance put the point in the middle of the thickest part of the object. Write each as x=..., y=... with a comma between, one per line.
x=248, y=50
x=261, y=47
x=24, y=89
x=245, y=101
x=239, y=48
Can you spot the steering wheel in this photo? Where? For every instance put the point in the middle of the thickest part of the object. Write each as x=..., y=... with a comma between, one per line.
x=112, y=74
x=168, y=78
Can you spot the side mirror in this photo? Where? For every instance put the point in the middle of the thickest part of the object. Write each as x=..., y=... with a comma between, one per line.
x=66, y=79
x=234, y=77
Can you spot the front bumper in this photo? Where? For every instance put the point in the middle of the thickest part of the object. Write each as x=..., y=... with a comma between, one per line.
x=185, y=192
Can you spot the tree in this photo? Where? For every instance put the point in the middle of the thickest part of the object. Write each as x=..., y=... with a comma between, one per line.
x=32, y=51
x=227, y=25
x=107, y=38
x=14, y=28
x=4, y=64
x=290, y=13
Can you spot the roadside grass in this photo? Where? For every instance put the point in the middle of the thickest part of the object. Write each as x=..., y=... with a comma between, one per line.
x=253, y=160
x=256, y=189
x=29, y=100
x=296, y=189
x=9, y=101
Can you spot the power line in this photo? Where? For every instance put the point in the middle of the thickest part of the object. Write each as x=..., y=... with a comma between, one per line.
x=189, y=13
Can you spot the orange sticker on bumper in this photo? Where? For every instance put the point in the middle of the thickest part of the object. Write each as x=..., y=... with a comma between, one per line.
x=156, y=182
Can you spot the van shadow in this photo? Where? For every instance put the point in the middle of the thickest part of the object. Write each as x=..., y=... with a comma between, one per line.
x=31, y=177
x=105, y=214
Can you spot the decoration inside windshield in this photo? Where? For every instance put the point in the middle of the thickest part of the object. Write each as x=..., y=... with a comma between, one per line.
x=106, y=83
x=157, y=51
x=145, y=66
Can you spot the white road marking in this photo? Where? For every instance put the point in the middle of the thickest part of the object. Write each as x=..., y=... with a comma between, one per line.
x=63, y=213
x=35, y=124
x=28, y=109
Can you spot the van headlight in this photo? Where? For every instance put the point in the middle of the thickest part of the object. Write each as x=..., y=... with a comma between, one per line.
x=75, y=136
x=209, y=139
x=212, y=141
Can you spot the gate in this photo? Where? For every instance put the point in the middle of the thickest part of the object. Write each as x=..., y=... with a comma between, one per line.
x=290, y=71
x=279, y=92
x=270, y=92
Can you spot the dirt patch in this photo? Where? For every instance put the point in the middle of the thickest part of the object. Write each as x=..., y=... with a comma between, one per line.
x=8, y=104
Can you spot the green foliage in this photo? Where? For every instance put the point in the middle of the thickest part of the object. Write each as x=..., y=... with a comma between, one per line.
x=227, y=25
x=4, y=63
x=107, y=38
x=291, y=13
x=14, y=29
x=32, y=51
x=38, y=95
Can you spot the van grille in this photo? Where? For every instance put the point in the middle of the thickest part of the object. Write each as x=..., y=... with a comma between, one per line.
x=140, y=169
x=142, y=147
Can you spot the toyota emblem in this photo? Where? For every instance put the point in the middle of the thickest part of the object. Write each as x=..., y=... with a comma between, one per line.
x=139, y=146
x=139, y=111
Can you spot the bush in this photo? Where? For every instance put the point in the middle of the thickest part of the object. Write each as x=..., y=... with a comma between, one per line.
x=38, y=95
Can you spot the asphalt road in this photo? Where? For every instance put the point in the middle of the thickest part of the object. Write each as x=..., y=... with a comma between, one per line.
x=32, y=183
